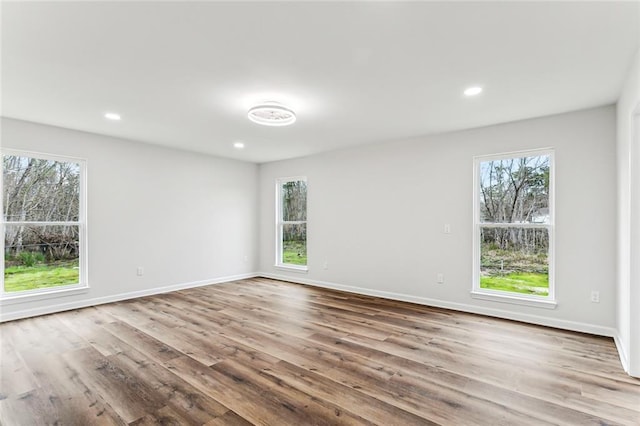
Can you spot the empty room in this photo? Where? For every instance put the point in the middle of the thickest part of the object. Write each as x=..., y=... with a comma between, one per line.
x=320, y=213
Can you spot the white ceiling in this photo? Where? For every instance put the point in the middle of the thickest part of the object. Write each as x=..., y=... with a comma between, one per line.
x=184, y=74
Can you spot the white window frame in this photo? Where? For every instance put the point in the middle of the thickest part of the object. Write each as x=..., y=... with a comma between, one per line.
x=477, y=292
x=82, y=286
x=280, y=226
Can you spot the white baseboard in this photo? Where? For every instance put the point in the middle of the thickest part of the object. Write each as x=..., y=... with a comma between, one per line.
x=50, y=309
x=622, y=353
x=492, y=312
x=498, y=313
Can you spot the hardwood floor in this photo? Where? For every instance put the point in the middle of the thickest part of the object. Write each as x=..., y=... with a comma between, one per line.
x=267, y=352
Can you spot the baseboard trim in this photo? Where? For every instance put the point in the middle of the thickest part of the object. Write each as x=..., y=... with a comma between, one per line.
x=498, y=313
x=77, y=304
x=622, y=353
x=492, y=312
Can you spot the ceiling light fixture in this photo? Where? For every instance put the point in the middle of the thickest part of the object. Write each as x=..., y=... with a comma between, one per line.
x=272, y=114
x=112, y=116
x=238, y=145
x=473, y=91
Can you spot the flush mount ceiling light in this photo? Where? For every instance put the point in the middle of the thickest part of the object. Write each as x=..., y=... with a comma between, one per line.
x=473, y=91
x=238, y=145
x=272, y=114
x=112, y=116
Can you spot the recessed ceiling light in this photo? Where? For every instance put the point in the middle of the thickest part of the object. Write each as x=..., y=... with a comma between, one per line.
x=272, y=114
x=473, y=91
x=112, y=116
x=238, y=145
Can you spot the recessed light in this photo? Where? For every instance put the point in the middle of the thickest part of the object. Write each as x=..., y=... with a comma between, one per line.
x=473, y=91
x=238, y=145
x=112, y=116
x=272, y=114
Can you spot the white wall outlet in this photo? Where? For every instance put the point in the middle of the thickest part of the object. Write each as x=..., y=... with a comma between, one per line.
x=447, y=228
x=595, y=297
x=325, y=265
x=140, y=271
x=440, y=278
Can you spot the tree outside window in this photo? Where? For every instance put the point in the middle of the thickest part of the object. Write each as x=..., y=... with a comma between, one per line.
x=292, y=223
x=514, y=224
x=43, y=223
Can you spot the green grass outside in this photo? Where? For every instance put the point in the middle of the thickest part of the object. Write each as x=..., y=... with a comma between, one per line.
x=20, y=278
x=294, y=253
x=518, y=282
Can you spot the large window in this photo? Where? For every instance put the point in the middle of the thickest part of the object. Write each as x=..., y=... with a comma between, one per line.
x=291, y=241
x=43, y=223
x=514, y=225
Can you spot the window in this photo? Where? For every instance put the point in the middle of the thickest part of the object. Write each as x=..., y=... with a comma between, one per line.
x=43, y=223
x=514, y=225
x=291, y=246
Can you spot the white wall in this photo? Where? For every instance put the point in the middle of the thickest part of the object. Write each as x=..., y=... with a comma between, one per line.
x=188, y=219
x=376, y=215
x=628, y=157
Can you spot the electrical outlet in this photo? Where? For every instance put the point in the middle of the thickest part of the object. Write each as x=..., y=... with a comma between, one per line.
x=440, y=278
x=140, y=271
x=325, y=265
x=595, y=297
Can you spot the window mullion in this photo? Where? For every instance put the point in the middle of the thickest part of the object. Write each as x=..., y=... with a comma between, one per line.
x=43, y=223
x=513, y=225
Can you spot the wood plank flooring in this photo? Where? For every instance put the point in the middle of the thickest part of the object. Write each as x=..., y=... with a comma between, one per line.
x=267, y=352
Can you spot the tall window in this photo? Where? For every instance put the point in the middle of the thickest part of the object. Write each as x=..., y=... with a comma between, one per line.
x=291, y=247
x=43, y=222
x=514, y=225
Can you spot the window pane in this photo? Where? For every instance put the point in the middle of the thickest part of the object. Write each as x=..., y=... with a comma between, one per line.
x=294, y=244
x=40, y=190
x=515, y=190
x=515, y=260
x=294, y=201
x=39, y=257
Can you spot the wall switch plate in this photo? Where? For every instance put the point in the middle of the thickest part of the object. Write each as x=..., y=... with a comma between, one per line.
x=595, y=297
x=447, y=228
x=325, y=265
x=440, y=278
x=140, y=271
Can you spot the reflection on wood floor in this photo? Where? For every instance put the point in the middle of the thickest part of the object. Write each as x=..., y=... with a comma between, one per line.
x=260, y=351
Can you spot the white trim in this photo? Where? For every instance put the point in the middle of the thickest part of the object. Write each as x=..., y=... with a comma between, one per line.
x=463, y=307
x=515, y=225
x=514, y=299
x=622, y=353
x=26, y=313
x=287, y=267
x=27, y=296
x=633, y=298
x=478, y=292
x=34, y=223
x=42, y=155
x=286, y=179
x=514, y=154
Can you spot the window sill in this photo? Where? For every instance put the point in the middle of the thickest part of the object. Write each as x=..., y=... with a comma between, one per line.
x=292, y=268
x=514, y=300
x=24, y=297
